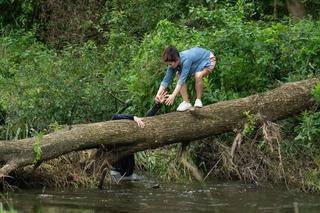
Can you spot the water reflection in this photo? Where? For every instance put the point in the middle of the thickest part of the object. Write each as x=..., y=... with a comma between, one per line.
x=142, y=196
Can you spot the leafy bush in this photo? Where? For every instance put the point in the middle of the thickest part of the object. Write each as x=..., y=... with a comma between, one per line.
x=316, y=93
x=309, y=129
x=40, y=87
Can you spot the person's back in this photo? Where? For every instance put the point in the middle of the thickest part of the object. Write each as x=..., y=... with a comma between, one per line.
x=198, y=56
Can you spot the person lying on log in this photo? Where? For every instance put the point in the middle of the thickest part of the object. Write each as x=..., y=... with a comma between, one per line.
x=125, y=165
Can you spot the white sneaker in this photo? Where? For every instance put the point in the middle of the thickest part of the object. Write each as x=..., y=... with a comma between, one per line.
x=184, y=106
x=198, y=103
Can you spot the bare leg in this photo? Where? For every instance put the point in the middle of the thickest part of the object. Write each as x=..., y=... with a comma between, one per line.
x=199, y=81
x=183, y=90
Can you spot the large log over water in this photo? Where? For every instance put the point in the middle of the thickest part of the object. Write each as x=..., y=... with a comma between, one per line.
x=123, y=137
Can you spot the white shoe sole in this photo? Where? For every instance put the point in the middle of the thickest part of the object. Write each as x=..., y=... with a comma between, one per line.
x=180, y=110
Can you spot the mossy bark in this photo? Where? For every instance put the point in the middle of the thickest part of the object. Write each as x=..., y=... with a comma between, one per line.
x=122, y=137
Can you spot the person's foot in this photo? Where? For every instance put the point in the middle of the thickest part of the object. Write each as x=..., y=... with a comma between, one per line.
x=198, y=103
x=184, y=106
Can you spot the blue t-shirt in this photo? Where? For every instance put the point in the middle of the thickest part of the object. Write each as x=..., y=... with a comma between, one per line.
x=192, y=60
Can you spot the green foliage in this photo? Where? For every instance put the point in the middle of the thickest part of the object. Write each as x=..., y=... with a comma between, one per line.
x=300, y=55
x=309, y=130
x=165, y=163
x=156, y=162
x=40, y=87
x=316, y=93
x=37, y=147
x=250, y=124
x=9, y=211
x=137, y=17
x=18, y=12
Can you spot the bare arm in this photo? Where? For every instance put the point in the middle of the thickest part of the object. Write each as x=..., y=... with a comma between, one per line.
x=184, y=74
x=171, y=98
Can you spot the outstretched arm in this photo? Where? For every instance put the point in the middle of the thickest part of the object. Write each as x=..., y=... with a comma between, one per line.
x=156, y=106
x=171, y=97
x=165, y=82
x=158, y=97
x=183, y=77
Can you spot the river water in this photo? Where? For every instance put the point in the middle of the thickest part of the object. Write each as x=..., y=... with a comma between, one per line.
x=151, y=196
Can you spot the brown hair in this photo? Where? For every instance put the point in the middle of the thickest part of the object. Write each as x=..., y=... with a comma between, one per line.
x=170, y=54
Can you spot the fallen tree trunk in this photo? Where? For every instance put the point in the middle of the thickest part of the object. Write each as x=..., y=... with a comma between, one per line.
x=122, y=137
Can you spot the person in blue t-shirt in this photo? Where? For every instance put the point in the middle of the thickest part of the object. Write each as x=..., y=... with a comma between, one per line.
x=197, y=62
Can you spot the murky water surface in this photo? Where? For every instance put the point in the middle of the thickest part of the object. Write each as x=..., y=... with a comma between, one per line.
x=150, y=196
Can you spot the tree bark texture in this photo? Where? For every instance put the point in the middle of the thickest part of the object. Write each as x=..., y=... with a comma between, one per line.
x=296, y=8
x=122, y=137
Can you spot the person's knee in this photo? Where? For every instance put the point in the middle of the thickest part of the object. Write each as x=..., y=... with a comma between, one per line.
x=198, y=76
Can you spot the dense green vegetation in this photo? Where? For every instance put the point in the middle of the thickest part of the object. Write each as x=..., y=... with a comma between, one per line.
x=68, y=62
